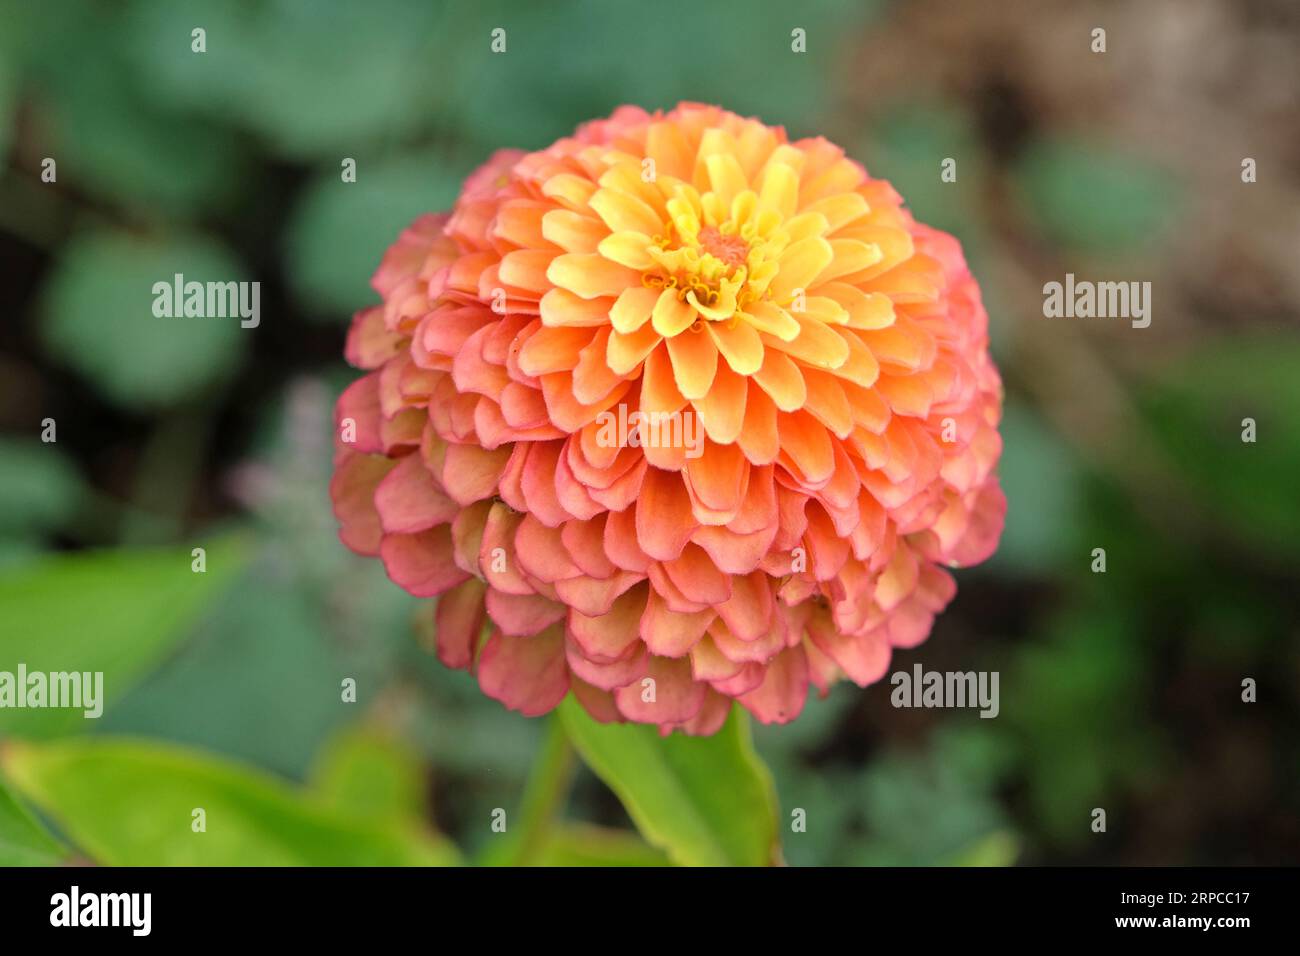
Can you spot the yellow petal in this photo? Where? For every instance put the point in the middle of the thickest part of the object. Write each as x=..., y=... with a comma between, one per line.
x=627, y=249
x=633, y=308
x=825, y=309
x=780, y=189
x=840, y=209
x=806, y=225
x=573, y=232
x=724, y=308
x=772, y=319
x=624, y=213
x=572, y=190
x=671, y=315
x=851, y=255
x=816, y=344
x=726, y=177
x=739, y=344
x=801, y=264
x=589, y=275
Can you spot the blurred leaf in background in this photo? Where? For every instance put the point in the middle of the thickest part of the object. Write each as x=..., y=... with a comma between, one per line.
x=1198, y=404
x=119, y=612
x=372, y=772
x=309, y=80
x=1041, y=474
x=338, y=231
x=40, y=486
x=23, y=842
x=105, y=125
x=1076, y=705
x=99, y=318
x=133, y=804
x=1089, y=197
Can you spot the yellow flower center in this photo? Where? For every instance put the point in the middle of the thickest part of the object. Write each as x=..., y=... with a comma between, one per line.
x=718, y=258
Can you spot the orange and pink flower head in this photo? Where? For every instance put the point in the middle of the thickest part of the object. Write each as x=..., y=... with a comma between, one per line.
x=670, y=414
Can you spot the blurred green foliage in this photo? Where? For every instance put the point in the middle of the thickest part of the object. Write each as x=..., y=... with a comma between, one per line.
x=135, y=804
x=707, y=801
x=99, y=317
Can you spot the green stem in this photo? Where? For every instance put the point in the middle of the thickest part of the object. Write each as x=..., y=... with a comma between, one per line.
x=544, y=797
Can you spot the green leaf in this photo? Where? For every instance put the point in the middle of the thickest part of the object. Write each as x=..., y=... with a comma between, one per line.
x=1041, y=474
x=38, y=484
x=99, y=123
x=229, y=657
x=310, y=80
x=1196, y=406
x=907, y=147
x=22, y=840
x=997, y=849
x=1085, y=196
x=100, y=321
x=117, y=612
x=707, y=801
x=577, y=844
x=131, y=803
x=339, y=231
x=373, y=773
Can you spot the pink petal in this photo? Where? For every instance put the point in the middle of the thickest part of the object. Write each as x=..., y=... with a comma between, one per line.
x=676, y=697
x=409, y=499
x=781, y=696
x=458, y=620
x=422, y=563
x=527, y=674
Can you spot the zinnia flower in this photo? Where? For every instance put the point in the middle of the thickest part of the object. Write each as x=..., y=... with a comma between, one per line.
x=818, y=438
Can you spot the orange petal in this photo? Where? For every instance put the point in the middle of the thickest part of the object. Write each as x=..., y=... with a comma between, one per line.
x=758, y=436
x=628, y=350
x=664, y=521
x=410, y=500
x=573, y=232
x=722, y=410
x=698, y=578
x=553, y=349
x=560, y=307
x=695, y=360
x=807, y=445
x=671, y=633
x=739, y=344
x=782, y=381
x=717, y=479
x=353, y=492
x=633, y=308
x=590, y=275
